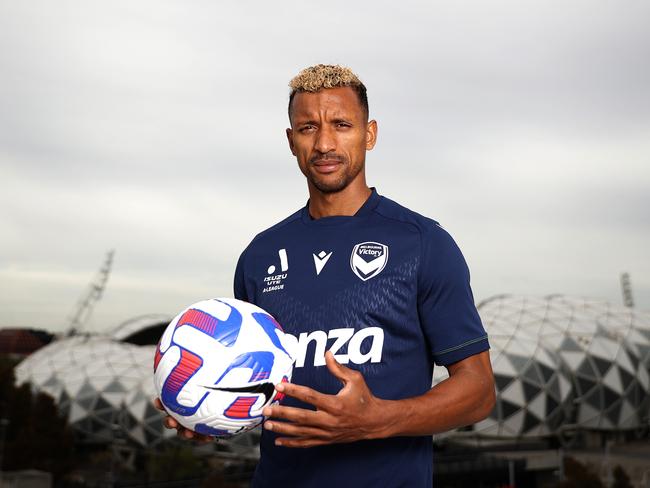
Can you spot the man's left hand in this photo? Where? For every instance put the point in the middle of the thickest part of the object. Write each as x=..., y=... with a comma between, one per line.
x=353, y=414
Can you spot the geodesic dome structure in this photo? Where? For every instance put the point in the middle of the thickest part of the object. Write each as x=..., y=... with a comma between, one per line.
x=104, y=385
x=141, y=330
x=559, y=362
x=565, y=362
x=90, y=377
x=535, y=397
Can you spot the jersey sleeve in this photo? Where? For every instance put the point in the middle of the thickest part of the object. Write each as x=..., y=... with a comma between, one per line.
x=239, y=285
x=446, y=307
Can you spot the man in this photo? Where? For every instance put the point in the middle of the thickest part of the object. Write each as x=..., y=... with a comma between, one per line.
x=384, y=290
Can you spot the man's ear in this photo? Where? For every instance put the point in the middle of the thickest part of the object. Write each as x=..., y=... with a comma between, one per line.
x=371, y=134
x=290, y=139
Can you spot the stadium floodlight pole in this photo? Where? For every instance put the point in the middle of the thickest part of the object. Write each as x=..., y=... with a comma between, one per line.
x=92, y=295
x=626, y=288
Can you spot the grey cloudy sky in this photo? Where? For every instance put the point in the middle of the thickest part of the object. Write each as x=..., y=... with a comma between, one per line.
x=157, y=128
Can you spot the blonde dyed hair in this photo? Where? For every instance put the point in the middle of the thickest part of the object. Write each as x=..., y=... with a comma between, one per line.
x=324, y=76
x=321, y=76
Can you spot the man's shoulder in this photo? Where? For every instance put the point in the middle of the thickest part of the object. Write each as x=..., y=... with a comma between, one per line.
x=399, y=214
x=277, y=228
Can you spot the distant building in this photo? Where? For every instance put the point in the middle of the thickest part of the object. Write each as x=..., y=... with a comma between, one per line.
x=28, y=478
x=104, y=384
x=564, y=366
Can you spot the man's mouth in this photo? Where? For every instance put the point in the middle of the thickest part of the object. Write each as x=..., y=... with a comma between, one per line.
x=326, y=165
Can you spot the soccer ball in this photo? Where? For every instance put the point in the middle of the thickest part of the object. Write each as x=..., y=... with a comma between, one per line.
x=217, y=363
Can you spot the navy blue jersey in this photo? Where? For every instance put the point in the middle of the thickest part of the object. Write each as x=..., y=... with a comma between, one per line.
x=387, y=290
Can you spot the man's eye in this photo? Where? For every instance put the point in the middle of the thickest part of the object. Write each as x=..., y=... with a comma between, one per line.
x=307, y=128
x=342, y=125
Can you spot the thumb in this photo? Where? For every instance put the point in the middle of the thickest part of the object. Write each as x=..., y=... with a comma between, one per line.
x=337, y=369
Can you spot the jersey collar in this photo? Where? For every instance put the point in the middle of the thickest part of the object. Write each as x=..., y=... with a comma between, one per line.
x=365, y=210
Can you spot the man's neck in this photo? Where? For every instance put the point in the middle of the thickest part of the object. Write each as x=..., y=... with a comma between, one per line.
x=347, y=202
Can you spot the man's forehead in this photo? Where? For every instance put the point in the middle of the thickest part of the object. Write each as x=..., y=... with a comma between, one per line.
x=340, y=99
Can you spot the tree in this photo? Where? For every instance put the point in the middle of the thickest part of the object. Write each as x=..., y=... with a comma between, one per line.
x=174, y=462
x=37, y=436
x=621, y=479
x=579, y=475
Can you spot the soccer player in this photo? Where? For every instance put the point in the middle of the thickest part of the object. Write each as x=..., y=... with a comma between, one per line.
x=375, y=294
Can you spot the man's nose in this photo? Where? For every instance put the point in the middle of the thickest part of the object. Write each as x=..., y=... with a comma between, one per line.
x=326, y=140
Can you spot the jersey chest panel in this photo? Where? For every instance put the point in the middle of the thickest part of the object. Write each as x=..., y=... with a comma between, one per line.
x=351, y=291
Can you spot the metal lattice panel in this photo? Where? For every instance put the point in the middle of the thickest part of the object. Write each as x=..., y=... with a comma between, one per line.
x=105, y=388
x=561, y=360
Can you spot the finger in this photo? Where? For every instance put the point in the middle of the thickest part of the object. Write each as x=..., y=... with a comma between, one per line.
x=341, y=372
x=203, y=439
x=301, y=416
x=305, y=394
x=190, y=434
x=301, y=442
x=171, y=423
x=294, y=430
x=158, y=404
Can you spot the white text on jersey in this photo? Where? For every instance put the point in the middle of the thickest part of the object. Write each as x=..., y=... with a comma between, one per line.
x=341, y=337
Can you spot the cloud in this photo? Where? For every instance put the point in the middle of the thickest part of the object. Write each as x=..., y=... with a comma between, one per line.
x=157, y=128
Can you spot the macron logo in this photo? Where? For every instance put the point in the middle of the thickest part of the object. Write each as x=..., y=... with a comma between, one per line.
x=320, y=260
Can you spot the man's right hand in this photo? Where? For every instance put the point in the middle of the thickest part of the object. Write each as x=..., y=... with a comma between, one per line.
x=172, y=423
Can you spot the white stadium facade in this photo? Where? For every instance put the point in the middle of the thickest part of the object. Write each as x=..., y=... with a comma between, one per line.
x=104, y=385
x=562, y=365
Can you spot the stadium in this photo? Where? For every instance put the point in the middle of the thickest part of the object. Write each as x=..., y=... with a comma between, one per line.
x=571, y=374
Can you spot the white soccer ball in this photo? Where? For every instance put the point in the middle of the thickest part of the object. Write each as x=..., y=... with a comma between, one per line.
x=217, y=363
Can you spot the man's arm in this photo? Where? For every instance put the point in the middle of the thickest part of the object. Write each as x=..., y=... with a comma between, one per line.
x=353, y=414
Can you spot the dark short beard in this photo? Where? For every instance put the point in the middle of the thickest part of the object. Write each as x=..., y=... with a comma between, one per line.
x=329, y=189
x=337, y=186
